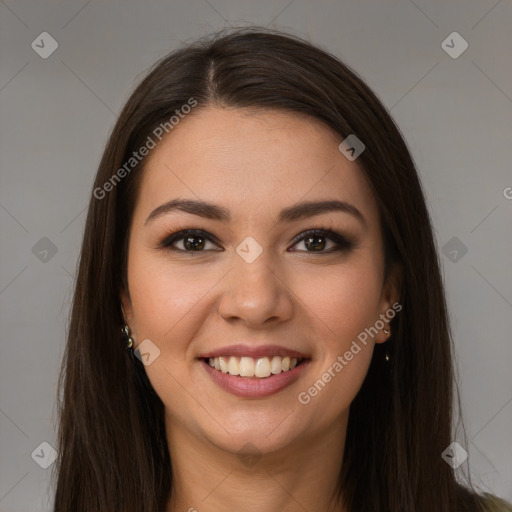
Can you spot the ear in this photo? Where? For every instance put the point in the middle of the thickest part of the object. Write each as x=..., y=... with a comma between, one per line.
x=126, y=308
x=389, y=304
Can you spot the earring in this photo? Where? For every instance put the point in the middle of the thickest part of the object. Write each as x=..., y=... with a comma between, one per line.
x=128, y=338
x=387, y=356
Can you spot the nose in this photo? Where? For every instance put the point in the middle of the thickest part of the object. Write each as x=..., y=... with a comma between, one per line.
x=256, y=294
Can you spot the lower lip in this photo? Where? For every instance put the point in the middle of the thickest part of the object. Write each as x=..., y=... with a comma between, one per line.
x=255, y=387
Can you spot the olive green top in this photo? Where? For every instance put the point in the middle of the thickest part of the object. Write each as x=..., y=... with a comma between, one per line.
x=495, y=504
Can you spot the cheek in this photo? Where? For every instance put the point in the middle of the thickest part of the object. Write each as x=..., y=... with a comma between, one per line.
x=342, y=301
x=166, y=300
x=169, y=307
x=342, y=305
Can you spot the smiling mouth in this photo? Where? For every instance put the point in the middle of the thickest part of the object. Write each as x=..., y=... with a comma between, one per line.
x=261, y=367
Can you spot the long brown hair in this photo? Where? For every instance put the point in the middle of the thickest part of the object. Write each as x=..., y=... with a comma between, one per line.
x=112, y=446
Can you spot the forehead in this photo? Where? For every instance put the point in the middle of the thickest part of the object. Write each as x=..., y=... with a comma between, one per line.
x=247, y=158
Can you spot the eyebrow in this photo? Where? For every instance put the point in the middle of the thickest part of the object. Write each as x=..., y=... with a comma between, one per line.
x=289, y=214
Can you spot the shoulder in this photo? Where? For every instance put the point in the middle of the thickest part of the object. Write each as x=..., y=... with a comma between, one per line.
x=492, y=503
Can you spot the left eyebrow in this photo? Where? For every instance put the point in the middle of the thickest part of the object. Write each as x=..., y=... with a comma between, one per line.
x=312, y=208
x=289, y=214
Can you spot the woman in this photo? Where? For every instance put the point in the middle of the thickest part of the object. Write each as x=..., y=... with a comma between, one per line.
x=258, y=239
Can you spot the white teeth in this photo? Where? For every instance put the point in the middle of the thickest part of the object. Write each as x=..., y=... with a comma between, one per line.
x=246, y=367
x=234, y=366
x=275, y=365
x=223, y=364
x=261, y=367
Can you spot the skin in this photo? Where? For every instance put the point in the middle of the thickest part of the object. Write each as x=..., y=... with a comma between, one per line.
x=254, y=163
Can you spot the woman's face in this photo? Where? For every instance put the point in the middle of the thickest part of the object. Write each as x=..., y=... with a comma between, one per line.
x=253, y=286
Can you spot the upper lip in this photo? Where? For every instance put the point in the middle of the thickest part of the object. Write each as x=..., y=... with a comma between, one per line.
x=255, y=351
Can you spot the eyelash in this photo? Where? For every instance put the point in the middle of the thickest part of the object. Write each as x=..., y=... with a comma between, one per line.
x=342, y=243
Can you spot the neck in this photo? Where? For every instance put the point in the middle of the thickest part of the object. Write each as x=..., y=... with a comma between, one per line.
x=300, y=476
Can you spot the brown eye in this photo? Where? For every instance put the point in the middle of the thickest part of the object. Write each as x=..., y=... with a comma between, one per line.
x=316, y=241
x=194, y=243
x=188, y=240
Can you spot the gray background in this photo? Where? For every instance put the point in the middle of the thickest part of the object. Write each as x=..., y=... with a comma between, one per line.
x=56, y=114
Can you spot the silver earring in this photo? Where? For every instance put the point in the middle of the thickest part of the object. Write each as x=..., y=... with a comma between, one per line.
x=128, y=337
